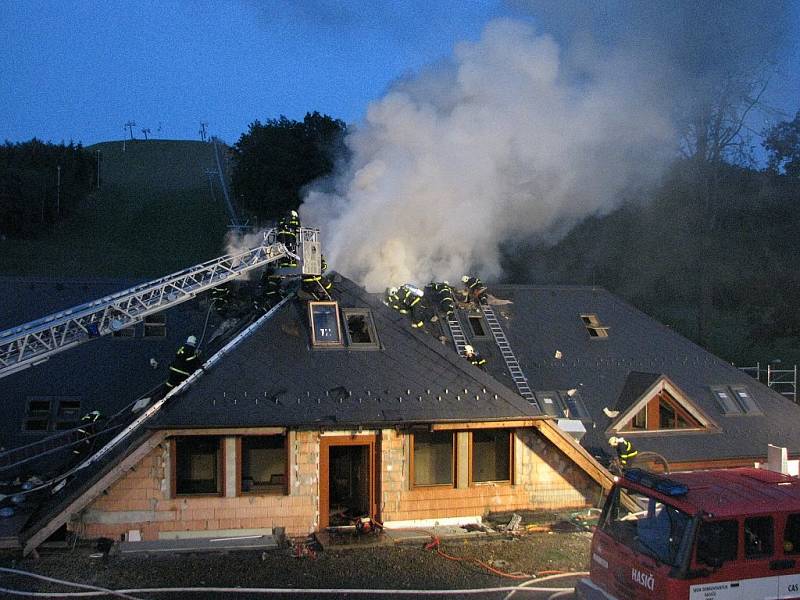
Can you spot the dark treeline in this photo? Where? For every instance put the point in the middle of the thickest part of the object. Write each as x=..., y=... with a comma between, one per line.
x=30, y=194
x=273, y=161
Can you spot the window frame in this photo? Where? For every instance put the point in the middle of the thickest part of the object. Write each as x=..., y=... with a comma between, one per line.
x=557, y=402
x=53, y=417
x=593, y=325
x=316, y=343
x=369, y=320
x=155, y=322
x=221, y=476
x=486, y=335
x=284, y=491
x=453, y=462
x=510, y=481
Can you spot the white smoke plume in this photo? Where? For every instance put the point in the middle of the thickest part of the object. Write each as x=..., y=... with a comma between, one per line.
x=504, y=141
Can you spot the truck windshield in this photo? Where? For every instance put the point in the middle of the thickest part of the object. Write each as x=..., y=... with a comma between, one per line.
x=645, y=525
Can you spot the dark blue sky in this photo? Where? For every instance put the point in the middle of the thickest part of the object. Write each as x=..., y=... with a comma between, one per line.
x=78, y=70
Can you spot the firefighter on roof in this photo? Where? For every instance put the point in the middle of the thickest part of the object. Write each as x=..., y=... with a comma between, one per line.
x=474, y=290
x=187, y=361
x=444, y=298
x=473, y=357
x=271, y=292
x=410, y=297
x=86, y=433
x=222, y=296
x=625, y=450
x=288, y=232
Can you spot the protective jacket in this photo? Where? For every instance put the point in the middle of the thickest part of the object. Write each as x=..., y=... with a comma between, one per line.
x=626, y=452
x=186, y=362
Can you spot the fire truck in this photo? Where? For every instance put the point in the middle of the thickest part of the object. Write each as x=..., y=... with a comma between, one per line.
x=729, y=534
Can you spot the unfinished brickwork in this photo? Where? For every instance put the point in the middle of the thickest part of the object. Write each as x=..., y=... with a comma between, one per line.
x=140, y=500
x=544, y=479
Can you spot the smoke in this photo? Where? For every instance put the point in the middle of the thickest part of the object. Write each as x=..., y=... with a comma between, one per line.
x=511, y=138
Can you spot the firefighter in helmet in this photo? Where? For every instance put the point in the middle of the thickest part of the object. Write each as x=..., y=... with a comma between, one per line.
x=474, y=290
x=187, y=361
x=271, y=291
x=625, y=450
x=444, y=298
x=410, y=297
x=288, y=232
x=473, y=357
x=86, y=432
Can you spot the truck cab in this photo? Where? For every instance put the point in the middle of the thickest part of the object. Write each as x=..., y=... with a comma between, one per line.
x=731, y=534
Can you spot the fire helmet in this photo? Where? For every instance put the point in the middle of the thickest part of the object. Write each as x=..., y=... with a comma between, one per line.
x=613, y=441
x=469, y=349
x=294, y=213
x=465, y=278
x=191, y=341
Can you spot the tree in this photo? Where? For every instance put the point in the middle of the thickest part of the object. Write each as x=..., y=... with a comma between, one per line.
x=274, y=161
x=782, y=143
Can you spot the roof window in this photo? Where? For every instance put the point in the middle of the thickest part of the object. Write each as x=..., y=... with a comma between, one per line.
x=478, y=327
x=360, y=329
x=593, y=325
x=735, y=400
x=155, y=325
x=52, y=413
x=324, y=319
x=564, y=404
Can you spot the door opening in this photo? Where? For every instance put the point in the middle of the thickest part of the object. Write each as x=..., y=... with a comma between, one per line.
x=349, y=484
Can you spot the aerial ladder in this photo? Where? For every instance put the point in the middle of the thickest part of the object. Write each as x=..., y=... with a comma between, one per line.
x=35, y=342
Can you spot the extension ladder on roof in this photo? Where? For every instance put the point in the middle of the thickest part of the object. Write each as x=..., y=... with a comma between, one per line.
x=36, y=341
x=508, y=354
x=459, y=339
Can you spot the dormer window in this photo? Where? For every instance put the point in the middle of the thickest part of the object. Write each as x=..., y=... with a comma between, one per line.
x=324, y=320
x=593, y=325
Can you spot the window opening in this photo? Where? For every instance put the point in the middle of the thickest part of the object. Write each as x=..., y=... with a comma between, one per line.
x=52, y=413
x=324, y=320
x=550, y=403
x=433, y=458
x=640, y=419
x=758, y=537
x=264, y=464
x=197, y=465
x=575, y=406
x=746, y=401
x=491, y=455
x=717, y=541
x=593, y=325
x=791, y=535
x=657, y=529
x=360, y=328
x=477, y=326
x=125, y=332
x=155, y=325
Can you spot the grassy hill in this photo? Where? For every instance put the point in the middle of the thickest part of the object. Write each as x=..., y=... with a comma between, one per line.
x=153, y=214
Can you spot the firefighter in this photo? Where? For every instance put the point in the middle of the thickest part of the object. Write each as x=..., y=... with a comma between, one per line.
x=473, y=289
x=187, y=361
x=312, y=285
x=86, y=433
x=271, y=292
x=288, y=232
x=625, y=450
x=410, y=298
x=473, y=357
x=326, y=282
x=444, y=298
x=392, y=300
x=221, y=296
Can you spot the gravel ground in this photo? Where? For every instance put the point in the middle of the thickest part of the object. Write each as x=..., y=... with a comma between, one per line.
x=396, y=567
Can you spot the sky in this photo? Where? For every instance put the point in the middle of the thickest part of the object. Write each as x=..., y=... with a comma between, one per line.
x=80, y=70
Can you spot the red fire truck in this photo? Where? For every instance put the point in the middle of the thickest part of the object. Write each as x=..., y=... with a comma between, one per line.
x=709, y=535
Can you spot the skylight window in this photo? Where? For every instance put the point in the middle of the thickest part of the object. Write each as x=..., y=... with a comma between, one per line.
x=155, y=325
x=735, y=400
x=360, y=329
x=593, y=325
x=52, y=413
x=563, y=404
x=478, y=327
x=324, y=320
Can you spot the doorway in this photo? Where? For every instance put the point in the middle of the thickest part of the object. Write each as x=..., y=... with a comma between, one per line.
x=347, y=479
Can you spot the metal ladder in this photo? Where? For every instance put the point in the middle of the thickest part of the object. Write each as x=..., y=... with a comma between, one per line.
x=457, y=333
x=508, y=354
x=34, y=342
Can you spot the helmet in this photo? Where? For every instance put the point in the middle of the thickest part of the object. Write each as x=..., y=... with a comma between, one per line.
x=613, y=441
x=392, y=291
x=293, y=213
x=465, y=278
x=469, y=349
x=191, y=341
x=414, y=290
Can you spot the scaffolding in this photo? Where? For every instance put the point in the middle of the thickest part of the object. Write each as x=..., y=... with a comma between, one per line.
x=783, y=381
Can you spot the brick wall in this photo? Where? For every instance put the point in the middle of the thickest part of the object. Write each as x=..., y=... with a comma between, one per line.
x=140, y=500
x=544, y=479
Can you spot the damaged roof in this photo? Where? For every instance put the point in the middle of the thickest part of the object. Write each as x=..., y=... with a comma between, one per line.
x=613, y=372
x=276, y=377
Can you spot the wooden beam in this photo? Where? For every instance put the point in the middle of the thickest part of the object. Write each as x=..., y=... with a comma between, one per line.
x=485, y=425
x=93, y=492
x=575, y=452
x=229, y=431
